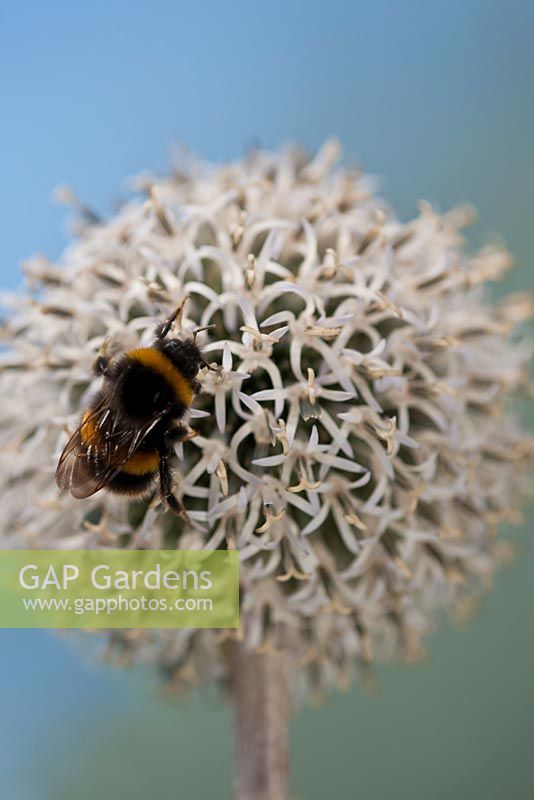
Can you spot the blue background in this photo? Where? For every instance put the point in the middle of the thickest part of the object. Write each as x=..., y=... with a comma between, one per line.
x=434, y=97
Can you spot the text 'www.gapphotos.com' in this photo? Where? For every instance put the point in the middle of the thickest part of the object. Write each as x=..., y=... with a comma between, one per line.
x=119, y=604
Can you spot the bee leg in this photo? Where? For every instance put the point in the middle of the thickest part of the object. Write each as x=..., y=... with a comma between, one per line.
x=177, y=434
x=101, y=365
x=166, y=490
x=197, y=387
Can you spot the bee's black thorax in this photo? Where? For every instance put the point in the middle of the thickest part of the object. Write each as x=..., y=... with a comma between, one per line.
x=145, y=392
x=154, y=381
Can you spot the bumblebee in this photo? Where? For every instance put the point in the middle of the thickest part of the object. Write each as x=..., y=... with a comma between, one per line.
x=128, y=434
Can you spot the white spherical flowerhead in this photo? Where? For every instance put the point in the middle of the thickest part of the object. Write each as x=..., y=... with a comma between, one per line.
x=356, y=445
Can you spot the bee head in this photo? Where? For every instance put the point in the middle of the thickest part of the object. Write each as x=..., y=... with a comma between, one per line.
x=185, y=355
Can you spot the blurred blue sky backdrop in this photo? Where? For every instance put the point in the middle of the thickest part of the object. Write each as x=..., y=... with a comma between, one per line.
x=434, y=97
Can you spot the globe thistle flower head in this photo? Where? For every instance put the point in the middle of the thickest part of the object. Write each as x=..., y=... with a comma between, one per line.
x=354, y=440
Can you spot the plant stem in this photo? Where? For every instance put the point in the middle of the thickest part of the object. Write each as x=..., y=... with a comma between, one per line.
x=260, y=699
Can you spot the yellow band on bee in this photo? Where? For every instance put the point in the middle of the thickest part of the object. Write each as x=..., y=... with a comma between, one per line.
x=154, y=359
x=141, y=463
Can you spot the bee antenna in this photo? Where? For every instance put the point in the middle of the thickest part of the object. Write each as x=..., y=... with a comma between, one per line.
x=199, y=330
x=163, y=329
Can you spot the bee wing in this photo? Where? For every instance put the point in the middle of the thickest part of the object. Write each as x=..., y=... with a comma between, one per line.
x=74, y=454
x=76, y=471
x=85, y=470
x=80, y=468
